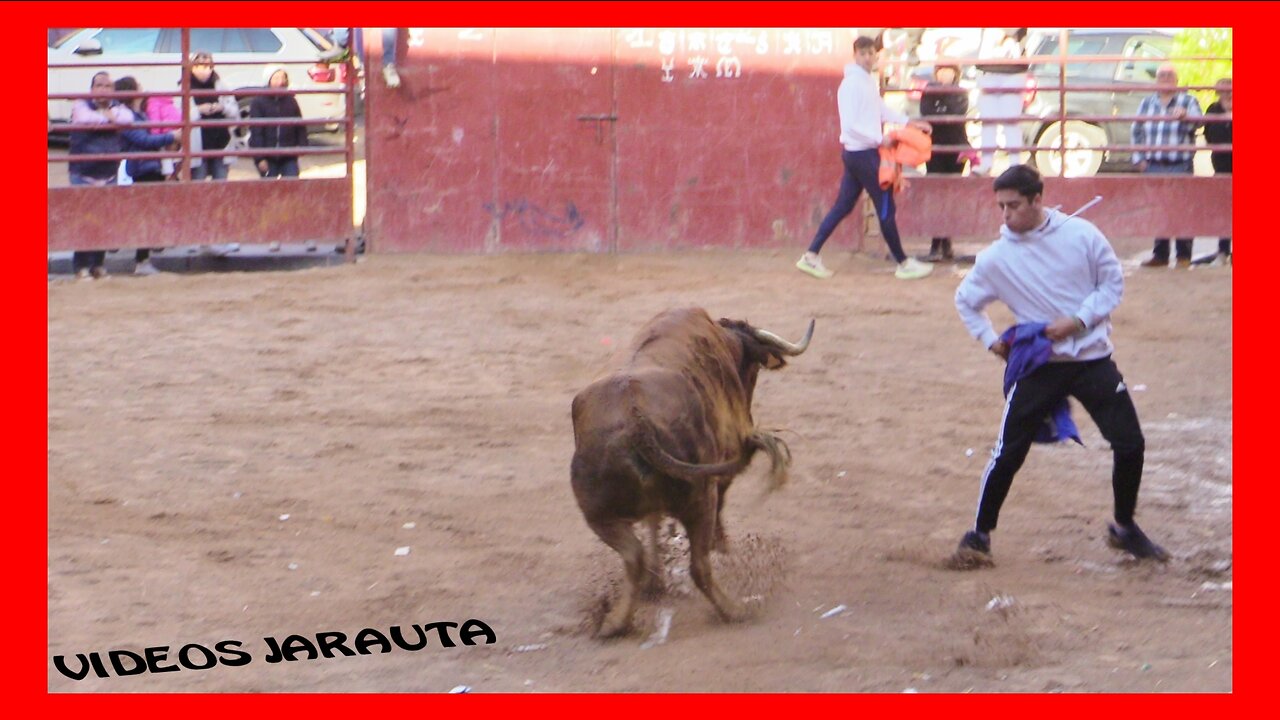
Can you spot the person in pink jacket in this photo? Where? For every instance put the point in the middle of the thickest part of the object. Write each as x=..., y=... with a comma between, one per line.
x=160, y=109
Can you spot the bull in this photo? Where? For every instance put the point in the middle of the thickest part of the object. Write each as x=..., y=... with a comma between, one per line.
x=666, y=433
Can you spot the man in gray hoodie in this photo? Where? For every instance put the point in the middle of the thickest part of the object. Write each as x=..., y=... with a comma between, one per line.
x=1061, y=272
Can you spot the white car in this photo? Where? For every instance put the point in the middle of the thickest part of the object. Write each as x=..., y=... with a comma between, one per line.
x=297, y=49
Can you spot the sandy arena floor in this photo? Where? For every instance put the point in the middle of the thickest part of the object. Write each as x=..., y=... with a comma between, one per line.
x=423, y=402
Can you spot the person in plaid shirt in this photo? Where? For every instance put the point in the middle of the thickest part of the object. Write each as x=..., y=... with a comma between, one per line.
x=1174, y=122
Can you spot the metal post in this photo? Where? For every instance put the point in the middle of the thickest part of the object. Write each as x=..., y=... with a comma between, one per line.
x=186, y=103
x=350, y=119
x=1062, y=102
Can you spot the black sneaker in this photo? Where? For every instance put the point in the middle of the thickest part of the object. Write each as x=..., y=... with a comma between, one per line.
x=974, y=552
x=1132, y=540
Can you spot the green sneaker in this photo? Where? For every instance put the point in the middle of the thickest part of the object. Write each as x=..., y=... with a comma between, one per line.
x=912, y=269
x=813, y=266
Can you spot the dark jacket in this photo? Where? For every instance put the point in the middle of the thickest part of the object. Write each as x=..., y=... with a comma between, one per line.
x=93, y=142
x=142, y=140
x=276, y=136
x=937, y=101
x=1218, y=134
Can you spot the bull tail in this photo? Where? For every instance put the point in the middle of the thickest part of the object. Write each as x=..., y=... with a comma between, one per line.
x=778, y=452
x=654, y=454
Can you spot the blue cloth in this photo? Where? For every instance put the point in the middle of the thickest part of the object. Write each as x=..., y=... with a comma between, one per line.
x=1028, y=350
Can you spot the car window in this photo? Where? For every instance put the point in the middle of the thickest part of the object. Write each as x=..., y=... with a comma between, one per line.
x=1077, y=45
x=262, y=40
x=218, y=40
x=128, y=41
x=1145, y=56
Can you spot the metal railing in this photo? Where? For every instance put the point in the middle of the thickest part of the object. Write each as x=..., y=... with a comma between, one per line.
x=1061, y=117
x=187, y=94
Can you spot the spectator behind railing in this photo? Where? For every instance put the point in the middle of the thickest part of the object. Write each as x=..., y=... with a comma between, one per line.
x=936, y=100
x=1219, y=133
x=141, y=170
x=221, y=107
x=161, y=109
x=997, y=104
x=96, y=111
x=276, y=136
x=1184, y=111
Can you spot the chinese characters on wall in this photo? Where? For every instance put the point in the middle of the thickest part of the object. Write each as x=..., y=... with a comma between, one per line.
x=706, y=54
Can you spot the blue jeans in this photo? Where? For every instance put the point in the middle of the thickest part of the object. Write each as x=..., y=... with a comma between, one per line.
x=862, y=171
x=83, y=259
x=340, y=36
x=1160, y=251
x=218, y=171
x=281, y=167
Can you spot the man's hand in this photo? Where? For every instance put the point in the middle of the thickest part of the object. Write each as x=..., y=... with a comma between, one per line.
x=1000, y=348
x=1179, y=113
x=1142, y=166
x=1063, y=328
x=921, y=125
x=262, y=166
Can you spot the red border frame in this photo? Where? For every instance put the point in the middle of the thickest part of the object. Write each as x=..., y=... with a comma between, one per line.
x=25, y=657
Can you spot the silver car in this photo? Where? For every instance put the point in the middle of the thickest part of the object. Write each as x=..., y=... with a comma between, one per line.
x=297, y=49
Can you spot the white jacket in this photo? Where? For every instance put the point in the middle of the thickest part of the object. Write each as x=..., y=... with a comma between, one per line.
x=1064, y=268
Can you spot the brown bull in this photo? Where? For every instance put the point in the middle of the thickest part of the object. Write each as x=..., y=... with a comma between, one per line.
x=666, y=434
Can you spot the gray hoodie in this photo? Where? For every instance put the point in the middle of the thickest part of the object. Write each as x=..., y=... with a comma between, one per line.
x=1065, y=267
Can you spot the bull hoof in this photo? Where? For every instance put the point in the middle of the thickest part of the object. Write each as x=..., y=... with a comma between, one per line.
x=613, y=627
x=735, y=612
x=651, y=586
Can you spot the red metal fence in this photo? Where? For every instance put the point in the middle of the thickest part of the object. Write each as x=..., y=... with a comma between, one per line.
x=602, y=140
x=172, y=214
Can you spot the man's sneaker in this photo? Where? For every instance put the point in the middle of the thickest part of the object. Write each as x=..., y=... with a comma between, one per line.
x=98, y=272
x=1156, y=262
x=335, y=54
x=83, y=274
x=274, y=246
x=912, y=269
x=145, y=268
x=391, y=76
x=1182, y=263
x=1132, y=540
x=974, y=552
x=812, y=264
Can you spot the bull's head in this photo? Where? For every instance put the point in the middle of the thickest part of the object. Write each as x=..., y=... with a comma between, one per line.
x=761, y=348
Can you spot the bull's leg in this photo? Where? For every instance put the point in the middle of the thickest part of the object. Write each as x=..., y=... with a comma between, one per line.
x=618, y=535
x=721, y=542
x=652, y=584
x=700, y=522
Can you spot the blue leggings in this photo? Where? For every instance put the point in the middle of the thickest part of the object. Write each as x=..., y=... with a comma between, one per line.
x=862, y=172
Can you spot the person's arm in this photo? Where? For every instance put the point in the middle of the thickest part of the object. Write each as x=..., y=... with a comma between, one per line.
x=82, y=112
x=1138, y=136
x=141, y=138
x=1108, y=283
x=302, y=138
x=973, y=295
x=257, y=111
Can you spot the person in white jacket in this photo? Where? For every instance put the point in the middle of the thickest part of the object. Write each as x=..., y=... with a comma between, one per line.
x=862, y=112
x=1061, y=272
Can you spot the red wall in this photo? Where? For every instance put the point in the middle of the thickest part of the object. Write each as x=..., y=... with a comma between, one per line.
x=724, y=138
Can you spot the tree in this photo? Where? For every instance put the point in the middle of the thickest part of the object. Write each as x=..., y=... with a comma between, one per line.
x=1200, y=43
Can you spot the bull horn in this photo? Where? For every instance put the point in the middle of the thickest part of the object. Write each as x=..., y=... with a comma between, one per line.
x=786, y=347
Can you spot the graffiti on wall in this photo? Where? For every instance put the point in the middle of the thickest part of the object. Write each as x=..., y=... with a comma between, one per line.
x=537, y=220
x=708, y=54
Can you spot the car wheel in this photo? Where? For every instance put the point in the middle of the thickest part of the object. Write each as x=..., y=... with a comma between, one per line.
x=1083, y=158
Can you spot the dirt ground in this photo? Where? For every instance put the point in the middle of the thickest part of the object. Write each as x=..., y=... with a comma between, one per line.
x=240, y=456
